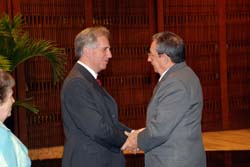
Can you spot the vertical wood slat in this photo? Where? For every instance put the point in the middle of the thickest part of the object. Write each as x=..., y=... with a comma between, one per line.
x=160, y=16
x=223, y=63
x=4, y=6
x=88, y=13
x=153, y=19
x=7, y=7
x=20, y=127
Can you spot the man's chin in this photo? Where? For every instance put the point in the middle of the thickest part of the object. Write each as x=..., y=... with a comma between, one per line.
x=104, y=67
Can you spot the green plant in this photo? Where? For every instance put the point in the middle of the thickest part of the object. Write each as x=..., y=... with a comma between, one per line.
x=17, y=47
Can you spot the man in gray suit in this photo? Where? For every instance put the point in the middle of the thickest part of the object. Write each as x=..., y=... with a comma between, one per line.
x=93, y=133
x=172, y=136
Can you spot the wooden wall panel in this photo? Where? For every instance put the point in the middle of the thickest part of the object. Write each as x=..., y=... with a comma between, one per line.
x=58, y=21
x=128, y=77
x=197, y=23
x=238, y=35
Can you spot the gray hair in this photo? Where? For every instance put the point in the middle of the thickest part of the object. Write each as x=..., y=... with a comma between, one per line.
x=88, y=38
x=6, y=82
x=170, y=44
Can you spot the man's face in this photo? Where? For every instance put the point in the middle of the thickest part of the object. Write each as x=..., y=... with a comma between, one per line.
x=155, y=59
x=101, y=54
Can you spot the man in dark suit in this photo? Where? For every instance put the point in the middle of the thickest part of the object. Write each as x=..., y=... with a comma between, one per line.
x=93, y=133
x=172, y=136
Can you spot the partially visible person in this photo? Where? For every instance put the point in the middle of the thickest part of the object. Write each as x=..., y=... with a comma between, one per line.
x=172, y=136
x=12, y=152
x=93, y=133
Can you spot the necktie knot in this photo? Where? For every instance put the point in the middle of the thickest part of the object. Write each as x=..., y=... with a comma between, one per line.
x=99, y=82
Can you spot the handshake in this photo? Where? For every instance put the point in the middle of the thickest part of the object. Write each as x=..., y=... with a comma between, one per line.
x=131, y=144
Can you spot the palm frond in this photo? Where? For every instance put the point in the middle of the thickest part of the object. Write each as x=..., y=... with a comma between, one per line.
x=27, y=105
x=5, y=23
x=18, y=47
x=29, y=49
x=5, y=64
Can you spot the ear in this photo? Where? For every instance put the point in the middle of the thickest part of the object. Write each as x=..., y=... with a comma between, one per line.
x=87, y=51
x=165, y=57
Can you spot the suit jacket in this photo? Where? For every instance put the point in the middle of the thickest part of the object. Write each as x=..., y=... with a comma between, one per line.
x=90, y=119
x=173, y=136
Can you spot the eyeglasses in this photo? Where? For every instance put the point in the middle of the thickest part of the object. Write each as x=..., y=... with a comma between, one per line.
x=151, y=54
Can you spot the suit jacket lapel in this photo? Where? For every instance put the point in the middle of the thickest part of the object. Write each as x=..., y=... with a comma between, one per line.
x=174, y=68
x=85, y=73
x=108, y=101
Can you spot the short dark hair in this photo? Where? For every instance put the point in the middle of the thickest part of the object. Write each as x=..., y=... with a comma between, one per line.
x=170, y=44
x=88, y=38
x=6, y=82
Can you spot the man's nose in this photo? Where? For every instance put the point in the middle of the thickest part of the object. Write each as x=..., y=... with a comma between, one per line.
x=109, y=54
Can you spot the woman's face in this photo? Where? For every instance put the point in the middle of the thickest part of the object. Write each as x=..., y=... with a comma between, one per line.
x=6, y=106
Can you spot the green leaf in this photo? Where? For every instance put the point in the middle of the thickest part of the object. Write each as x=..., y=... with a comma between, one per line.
x=27, y=105
x=5, y=64
x=18, y=47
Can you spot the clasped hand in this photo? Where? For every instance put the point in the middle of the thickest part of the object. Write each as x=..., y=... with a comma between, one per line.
x=131, y=144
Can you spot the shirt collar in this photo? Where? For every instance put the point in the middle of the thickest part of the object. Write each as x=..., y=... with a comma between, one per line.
x=163, y=74
x=3, y=126
x=92, y=72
